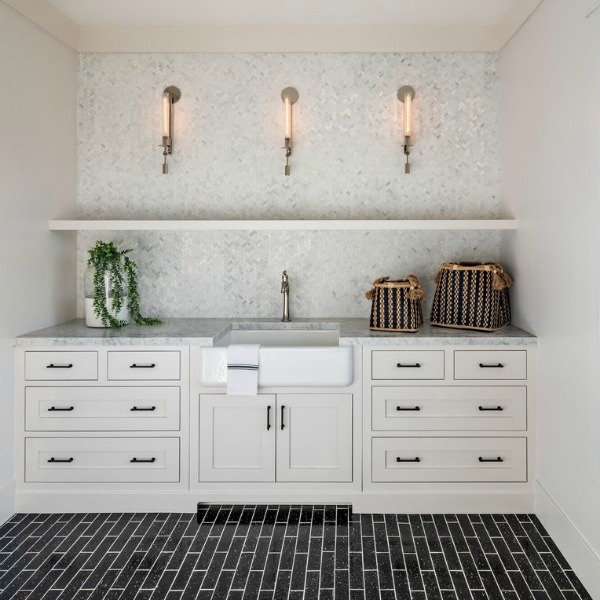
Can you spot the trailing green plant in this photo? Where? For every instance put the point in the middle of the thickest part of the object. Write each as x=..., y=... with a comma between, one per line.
x=107, y=260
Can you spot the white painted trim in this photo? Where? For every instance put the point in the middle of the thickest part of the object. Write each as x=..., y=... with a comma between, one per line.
x=582, y=557
x=49, y=18
x=103, y=501
x=7, y=500
x=289, y=38
x=444, y=502
x=137, y=501
x=517, y=16
x=276, y=225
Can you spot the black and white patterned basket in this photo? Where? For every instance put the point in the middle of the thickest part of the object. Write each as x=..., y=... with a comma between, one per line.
x=471, y=296
x=396, y=305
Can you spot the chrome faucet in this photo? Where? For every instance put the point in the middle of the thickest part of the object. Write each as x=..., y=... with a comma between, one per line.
x=285, y=290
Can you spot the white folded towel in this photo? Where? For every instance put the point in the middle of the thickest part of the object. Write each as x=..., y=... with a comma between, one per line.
x=242, y=369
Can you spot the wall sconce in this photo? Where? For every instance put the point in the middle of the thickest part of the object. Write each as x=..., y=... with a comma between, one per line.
x=406, y=94
x=169, y=97
x=289, y=96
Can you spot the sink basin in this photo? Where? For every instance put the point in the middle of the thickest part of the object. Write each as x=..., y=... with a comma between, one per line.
x=281, y=337
x=289, y=356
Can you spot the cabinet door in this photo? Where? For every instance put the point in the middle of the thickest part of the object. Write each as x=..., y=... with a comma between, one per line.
x=237, y=438
x=314, y=437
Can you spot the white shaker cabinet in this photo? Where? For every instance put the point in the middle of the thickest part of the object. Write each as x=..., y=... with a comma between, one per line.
x=276, y=438
x=237, y=438
x=314, y=437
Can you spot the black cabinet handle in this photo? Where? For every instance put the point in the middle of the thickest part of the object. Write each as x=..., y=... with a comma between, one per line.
x=492, y=460
x=143, y=460
x=415, y=366
x=490, y=408
x=412, y=409
x=268, y=417
x=58, y=409
x=411, y=460
x=282, y=409
x=61, y=460
x=498, y=366
x=143, y=409
x=142, y=366
x=53, y=366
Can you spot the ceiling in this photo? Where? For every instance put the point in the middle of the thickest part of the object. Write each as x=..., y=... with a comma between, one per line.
x=199, y=12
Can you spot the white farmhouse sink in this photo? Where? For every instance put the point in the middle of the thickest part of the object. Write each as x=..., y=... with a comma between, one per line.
x=288, y=357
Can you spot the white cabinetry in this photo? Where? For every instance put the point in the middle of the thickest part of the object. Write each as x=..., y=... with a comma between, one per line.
x=95, y=421
x=448, y=429
x=237, y=438
x=275, y=438
x=314, y=437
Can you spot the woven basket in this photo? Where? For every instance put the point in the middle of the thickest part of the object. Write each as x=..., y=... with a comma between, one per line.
x=396, y=305
x=471, y=296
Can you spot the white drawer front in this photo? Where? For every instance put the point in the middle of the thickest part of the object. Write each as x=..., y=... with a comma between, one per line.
x=449, y=408
x=61, y=366
x=490, y=364
x=127, y=365
x=449, y=459
x=102, y=408
x=407, y=364
x=102, y=460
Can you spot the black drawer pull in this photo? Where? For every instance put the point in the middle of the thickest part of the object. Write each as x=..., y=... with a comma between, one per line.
x=268, y=417
x=411, y=460
x=498, y=366
x=53, y=366
x=143, y=409
x=412, y=409
x=142, y=366
x=61, y=460
x=490, y=408
x=415, y=366
x=282, y=409
x=143, y=460
x=494, y=460
x=58, y=409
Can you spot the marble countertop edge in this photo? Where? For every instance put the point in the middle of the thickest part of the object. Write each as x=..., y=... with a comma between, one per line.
x=205, y=332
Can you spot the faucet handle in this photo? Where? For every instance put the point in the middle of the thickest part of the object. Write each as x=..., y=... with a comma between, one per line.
x=284, y=282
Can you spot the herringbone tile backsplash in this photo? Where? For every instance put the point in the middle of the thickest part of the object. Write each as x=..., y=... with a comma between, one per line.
x=228, y=163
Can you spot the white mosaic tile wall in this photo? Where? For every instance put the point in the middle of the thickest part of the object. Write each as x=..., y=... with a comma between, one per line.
x=228, y=163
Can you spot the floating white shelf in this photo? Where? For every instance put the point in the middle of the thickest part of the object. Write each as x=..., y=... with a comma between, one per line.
x=277, y=225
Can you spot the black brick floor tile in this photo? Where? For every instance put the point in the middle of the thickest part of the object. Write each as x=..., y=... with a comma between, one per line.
x=287, y=552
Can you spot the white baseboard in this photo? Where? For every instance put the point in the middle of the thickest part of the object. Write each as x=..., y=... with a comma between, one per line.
x=7, y=500
x=443, y=503
x=184, y=501
x=584, y=560
x=135, y=501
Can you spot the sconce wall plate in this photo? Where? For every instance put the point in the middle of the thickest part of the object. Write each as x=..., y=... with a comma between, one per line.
x=171, y=95
x=406, y=94
x=289, y=96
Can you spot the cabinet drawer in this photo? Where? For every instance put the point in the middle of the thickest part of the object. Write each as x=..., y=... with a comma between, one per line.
x=102, y=460
x=407, y=364
x=449, y=459
x=102, y=408
x=449, y=408
x=61, y=366
x=490, y=364
x=127, y=365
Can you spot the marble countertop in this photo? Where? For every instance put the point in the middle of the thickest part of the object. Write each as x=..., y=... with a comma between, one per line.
x=204, y=332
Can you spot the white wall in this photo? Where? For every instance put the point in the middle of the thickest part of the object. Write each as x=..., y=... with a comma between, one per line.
x=37, y=182
x=550, y=75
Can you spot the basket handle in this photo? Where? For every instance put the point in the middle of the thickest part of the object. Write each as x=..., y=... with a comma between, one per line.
x=369, y=295
x=416, y=292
